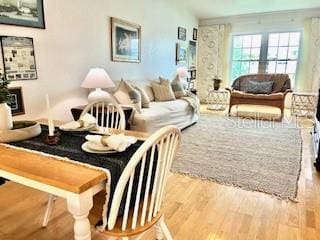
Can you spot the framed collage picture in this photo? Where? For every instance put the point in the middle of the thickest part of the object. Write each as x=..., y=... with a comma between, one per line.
x=125, y=41
x=26, y=13
x=18, y=59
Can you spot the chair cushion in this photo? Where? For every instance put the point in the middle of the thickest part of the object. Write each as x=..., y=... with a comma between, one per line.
x=259, y=87
x=273, y=96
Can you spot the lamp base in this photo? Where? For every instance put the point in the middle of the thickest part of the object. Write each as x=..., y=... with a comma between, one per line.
x=98, y=95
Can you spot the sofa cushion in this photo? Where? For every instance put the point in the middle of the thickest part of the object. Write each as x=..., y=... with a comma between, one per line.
x=126, y=94
x=163, y=91
x=145, y=101
x=178, y=88
x=259, y=87
x=273, y=96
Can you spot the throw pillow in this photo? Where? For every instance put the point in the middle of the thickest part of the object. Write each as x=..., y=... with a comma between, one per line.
x=163, y=91
x=178, y=88
x=126, y=94
x=259, y=87
x=145, y=101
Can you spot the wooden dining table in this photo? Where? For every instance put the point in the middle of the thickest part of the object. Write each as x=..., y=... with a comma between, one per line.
x=75, y=183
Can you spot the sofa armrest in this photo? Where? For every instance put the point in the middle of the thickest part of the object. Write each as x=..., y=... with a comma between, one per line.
x=287, y=91
x=229, y=90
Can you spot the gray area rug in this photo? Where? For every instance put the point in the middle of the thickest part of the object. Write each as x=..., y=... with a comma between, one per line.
x=255, y=155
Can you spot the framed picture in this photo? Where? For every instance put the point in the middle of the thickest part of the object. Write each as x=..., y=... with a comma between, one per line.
x=191, y=85
x=192, y=54
x=27, y=13
x=195, y=34
x=16, y=101
x=125, y=41
x=182, y=33
x=193, y=74
x=181, y=53
x=18, y=58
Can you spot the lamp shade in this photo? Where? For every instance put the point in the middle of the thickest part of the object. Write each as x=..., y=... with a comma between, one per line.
x=182, y=72
x=97, y=78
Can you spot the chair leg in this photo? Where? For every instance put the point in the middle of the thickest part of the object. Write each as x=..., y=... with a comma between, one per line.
x=48, y=210
x=162, y=230
x=229, y=111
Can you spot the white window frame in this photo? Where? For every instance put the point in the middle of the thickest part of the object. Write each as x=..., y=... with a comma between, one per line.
x=264, y=51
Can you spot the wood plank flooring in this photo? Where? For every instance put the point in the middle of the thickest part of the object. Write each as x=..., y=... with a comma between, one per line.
x=194, y=210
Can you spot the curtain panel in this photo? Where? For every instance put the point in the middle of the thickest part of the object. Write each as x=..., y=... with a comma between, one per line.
x=315, y=53
x=212, y=57
x=308, y=75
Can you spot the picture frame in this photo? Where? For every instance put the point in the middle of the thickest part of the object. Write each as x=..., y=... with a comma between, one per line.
x=193, y=74
x=125, y=41
x=18, y=58
x=192, y=55
x=182, y=33
x=22, y=13
x=195, y=34
x=16, y=101
x=181, y=54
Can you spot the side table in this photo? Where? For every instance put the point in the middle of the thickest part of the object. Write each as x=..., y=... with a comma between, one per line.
x=217, y=99
x=76, y=112
x=303, y=104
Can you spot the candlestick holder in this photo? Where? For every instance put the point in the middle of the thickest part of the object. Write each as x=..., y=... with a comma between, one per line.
x=53, y=140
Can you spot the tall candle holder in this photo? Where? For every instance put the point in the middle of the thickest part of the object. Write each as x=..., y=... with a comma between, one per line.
x=54, y=139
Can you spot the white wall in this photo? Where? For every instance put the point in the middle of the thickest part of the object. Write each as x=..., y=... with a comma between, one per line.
x=77, y=37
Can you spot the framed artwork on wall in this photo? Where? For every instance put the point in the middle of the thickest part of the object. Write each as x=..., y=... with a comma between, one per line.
x=125, y=41
x=192, y=55
x=26, y=13
x=16, y=101
x=181, y=54
x=195, y=34
x=182, y=33
x=18, y=58
x=193, y=74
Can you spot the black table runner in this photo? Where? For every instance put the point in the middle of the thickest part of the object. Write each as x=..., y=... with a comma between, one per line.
x=70, y=147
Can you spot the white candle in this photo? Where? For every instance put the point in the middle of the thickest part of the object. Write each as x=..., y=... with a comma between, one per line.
x=50, y=120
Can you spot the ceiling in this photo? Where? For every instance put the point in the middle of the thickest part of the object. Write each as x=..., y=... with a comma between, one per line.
x=221, y=8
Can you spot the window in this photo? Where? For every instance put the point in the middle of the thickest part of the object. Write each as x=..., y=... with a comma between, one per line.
x=265, y=53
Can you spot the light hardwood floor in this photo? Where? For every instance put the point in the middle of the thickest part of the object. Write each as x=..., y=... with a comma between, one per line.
x=194, y=209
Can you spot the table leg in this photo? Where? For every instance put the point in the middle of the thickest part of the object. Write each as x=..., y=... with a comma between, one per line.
x=79, y=206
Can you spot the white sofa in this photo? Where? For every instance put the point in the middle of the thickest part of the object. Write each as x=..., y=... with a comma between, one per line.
x=177, y=112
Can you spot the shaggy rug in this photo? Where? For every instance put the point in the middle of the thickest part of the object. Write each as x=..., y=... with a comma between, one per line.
x=255, y=155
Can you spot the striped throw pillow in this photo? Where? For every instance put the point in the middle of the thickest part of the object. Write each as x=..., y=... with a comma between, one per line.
x=163, y=91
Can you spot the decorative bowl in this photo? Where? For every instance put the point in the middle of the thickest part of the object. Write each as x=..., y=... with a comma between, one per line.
x=21, y=130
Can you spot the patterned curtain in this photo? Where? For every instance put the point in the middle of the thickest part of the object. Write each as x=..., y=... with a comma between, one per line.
x=315, y=53
x=210, y=57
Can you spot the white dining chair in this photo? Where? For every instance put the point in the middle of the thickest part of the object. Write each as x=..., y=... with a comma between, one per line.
x=108, y=114
x=150, y=165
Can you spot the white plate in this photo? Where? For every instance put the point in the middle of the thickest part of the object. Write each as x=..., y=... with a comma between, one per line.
x=86, y=147
x=83, y=129
x=100, y=131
